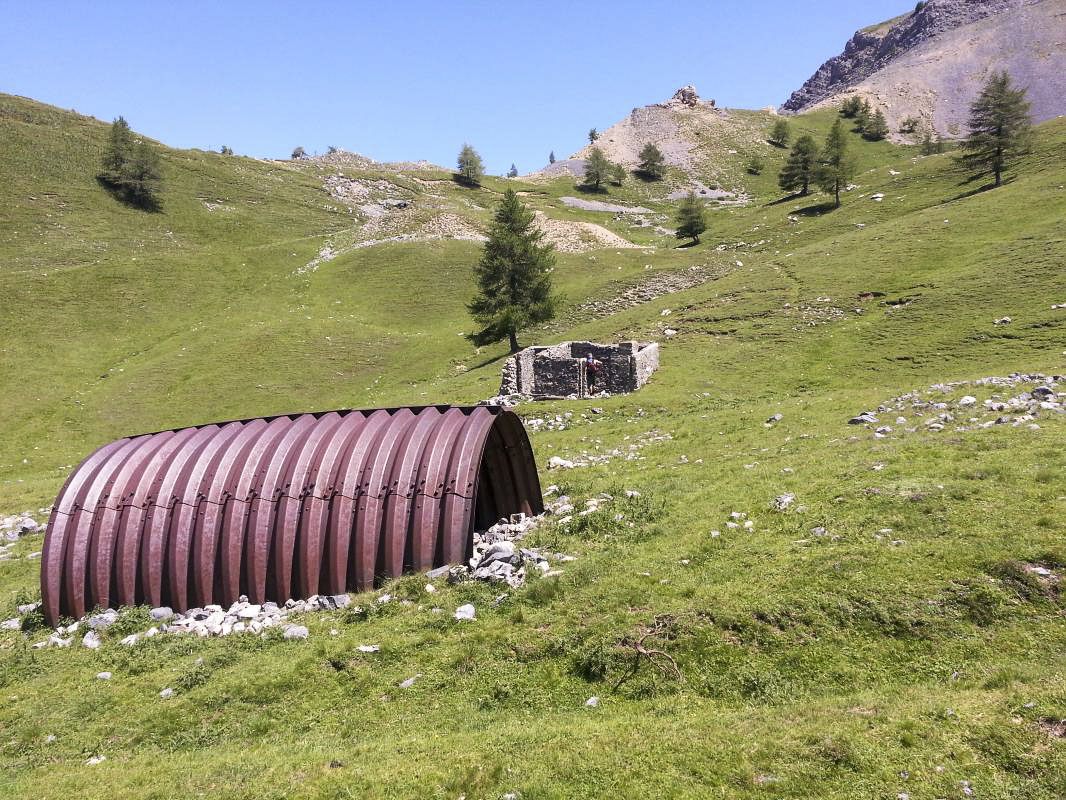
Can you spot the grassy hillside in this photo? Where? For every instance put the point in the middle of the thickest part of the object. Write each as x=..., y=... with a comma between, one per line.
x=890, y=637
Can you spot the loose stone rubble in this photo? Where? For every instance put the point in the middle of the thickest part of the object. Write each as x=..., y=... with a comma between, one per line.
x=14, y=527
x=1016, y=399
x=212, y=620
x=631, y=452
x=498, y=558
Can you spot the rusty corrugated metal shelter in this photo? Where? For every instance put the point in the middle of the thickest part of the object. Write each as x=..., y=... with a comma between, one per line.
x=281, y=507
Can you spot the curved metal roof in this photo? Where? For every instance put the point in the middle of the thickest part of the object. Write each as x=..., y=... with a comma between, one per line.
x=281, y=507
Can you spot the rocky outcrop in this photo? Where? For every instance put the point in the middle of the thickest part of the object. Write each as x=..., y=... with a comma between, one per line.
x=687, y=96
x=871, y=49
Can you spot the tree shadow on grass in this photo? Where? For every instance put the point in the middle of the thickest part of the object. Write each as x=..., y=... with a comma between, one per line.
x=490, y=361
x=585, y=188
x=644, y=177
x=979, y=189
x=686, y=245
x=817, y=209
x=142, y=202
x=787, y=199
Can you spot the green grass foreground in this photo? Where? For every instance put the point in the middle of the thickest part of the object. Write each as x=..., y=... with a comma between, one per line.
x=854, y=664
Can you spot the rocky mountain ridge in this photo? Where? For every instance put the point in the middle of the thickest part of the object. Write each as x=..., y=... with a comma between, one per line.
x=875, y=47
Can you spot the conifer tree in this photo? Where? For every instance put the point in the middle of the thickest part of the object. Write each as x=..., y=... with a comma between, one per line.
x=876, y=127
x=470, y=167
x=837, y=166
x=513, y=277
x=691, y=218
x=551, y=157
x=298, y=153
x=597, y=169
x=131, y=169
x=593, y=135
x=652, y=165
x=513, y=171
x=618, y=174
x=781, y=134
x=142, y=176
x=851, y=107
x=117, y=152
x=931, y=143
x=1000, y=127
x=800, y=167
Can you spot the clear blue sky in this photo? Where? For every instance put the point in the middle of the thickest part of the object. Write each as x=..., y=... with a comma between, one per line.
x=414, y=79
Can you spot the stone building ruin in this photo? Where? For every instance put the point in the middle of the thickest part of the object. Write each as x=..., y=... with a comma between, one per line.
x=559, y=370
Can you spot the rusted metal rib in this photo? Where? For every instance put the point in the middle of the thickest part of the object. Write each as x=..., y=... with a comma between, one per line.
x=281, y=507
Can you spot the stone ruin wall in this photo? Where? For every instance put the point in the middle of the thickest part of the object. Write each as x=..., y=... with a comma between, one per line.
x=557, y=371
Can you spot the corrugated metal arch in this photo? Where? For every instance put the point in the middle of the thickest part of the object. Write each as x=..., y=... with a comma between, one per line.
x=281, y=507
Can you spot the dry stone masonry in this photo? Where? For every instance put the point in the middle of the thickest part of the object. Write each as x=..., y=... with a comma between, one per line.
x=559, y=370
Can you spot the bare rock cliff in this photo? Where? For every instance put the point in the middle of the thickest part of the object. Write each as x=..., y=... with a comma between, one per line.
x=872, y=49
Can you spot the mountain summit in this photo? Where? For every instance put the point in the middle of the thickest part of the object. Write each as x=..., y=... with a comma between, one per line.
x=929, y=63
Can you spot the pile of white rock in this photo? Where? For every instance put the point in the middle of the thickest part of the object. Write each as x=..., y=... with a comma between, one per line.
x=14, y=526
x=1039, y=396
x=498, y=558
x=211, y=620
x=630, y=453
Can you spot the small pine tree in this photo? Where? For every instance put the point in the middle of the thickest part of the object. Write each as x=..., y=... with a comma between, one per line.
x=298, y=153
x=593, y=135
x=551, y=157
x=837, y=167
x=691, y=218
x=597, y=169
x=513, y=277
x=470, y=168
x=1000, y=127
x=851, y=107
x=226, y=151
x=331, y=149
x=131, y=169
x=862, y=116
x=927, y=145
x=800, y=167
x=513, y=171
x=780, y=134
x=876, y=127
x=618, y=174
x=652, y=164
x=142, y=177
x=117, y=152
x=931, y=143
x=755, y=165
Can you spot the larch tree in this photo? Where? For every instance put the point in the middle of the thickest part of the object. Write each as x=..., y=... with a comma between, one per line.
x=597, y=169
x=470, y=168
x=836, y=167
x=691, y=218
x=800, y=166
x=652, y=164
x=780, y=134
x=131, y=169
x=1000, y=128
x=876, y=127
x=513, y=277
